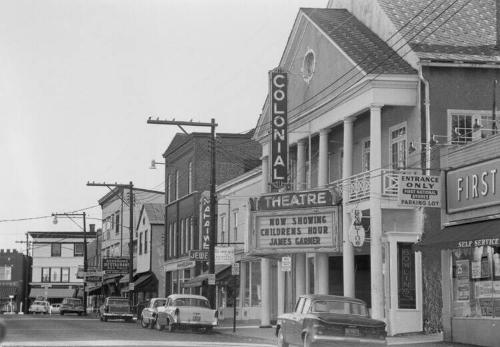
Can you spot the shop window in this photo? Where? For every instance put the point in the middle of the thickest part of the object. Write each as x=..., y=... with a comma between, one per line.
x=310, y=268
x=476, y=282
x=78, y=250
x=5, y=273
x=45, y=274
x=55, y=249
x=55, y=274
x=256, y=284
x=406, y=276
x=65, y=274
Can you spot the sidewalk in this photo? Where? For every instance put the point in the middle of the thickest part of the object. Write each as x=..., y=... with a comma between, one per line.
x=251, y=329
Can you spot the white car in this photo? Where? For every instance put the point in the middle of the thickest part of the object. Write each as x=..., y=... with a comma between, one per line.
x=39, y=306
x=186, y=310
x=55, y=308
x=149, y=313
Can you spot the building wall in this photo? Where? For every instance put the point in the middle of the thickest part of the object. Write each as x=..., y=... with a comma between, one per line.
x=157, y=255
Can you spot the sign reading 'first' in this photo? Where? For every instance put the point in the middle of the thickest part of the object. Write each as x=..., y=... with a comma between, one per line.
x=279, y=135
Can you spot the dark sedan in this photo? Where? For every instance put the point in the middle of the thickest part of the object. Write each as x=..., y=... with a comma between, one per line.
x=329, y=320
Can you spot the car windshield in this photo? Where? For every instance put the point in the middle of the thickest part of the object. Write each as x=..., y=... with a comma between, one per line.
x=160, y=302
x=118, y=302
x=191, y=302
x=341, y=307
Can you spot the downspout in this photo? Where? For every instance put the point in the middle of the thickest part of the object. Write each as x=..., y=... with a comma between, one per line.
x=427, y=112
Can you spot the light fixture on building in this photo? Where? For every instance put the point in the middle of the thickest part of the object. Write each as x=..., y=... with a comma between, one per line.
x=154, y=163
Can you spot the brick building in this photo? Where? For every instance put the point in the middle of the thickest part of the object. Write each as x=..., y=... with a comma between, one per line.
x=13, y=267
x=187, y=175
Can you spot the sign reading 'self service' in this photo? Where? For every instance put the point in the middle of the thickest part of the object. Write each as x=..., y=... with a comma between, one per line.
x=279, y=134
x=305, y=230
x=473, y=186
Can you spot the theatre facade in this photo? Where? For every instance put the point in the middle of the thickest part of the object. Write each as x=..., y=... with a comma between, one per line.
x=335, y=129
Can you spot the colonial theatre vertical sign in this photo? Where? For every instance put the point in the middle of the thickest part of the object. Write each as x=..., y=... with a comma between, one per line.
x=279, y=135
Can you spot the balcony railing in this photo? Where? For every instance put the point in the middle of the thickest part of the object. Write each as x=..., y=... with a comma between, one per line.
x=358, y=186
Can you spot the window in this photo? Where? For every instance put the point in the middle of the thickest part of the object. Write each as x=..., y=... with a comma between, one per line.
x=475, y=278
x=235, y=224
x=169, y=185
x=55, y=249
x=107, y=252
x=5, y=273
x=365, y=155
x=171, y=239
x=117, y=223
x=140, y=243
x=175, y=239
x=223, y=228
x=190, y=177
x=78, y=250
x=65, y=274
x=182, y=235
x=45, y=274
x=466, y=126
x=55, y=274
x=145, y=242
x=176, y=184
x=308, y=66
x=191, y=232
x=398, y=146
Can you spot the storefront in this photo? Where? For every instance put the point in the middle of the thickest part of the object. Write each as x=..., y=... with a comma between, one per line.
x=470, y=245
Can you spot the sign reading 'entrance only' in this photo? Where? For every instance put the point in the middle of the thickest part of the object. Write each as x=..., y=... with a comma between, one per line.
x=419, y=190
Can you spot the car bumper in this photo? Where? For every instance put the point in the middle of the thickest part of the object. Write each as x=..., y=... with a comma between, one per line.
x=353, y=341
x=197, y=324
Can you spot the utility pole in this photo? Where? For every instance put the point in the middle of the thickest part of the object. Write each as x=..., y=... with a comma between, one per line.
x=213, y=201
x=131, y=228
x=83, y=215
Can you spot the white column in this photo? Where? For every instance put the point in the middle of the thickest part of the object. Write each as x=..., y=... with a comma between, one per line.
x=265, y=312
x=323, y=158
x=301, y=165
x=321, y=268
x=265, y=173
x=281, y=289
x=347, y=249
x=300, y=274
x=377, y=280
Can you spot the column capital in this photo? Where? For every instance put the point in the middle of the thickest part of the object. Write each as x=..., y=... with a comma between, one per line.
x=376, y=106
x=350, y=119
x=324, y=131
x=302, y=142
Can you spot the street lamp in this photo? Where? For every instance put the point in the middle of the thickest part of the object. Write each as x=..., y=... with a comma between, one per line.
x=83, y=215
x=154, y=163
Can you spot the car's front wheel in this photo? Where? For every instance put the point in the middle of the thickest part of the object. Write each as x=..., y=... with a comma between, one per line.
x=281, y=339
x=144, y=323
x=159, y=326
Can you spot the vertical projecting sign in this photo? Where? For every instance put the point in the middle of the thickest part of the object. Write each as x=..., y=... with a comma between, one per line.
x=279, y=136
x=205, y=223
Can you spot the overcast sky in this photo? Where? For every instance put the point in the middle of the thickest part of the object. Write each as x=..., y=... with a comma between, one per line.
x=79, y=78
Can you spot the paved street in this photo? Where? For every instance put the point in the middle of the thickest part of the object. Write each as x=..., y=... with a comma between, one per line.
x=45, y=330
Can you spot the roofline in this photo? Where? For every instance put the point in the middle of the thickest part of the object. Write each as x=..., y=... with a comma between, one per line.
x=458, y=64
x=243, y=177
x=62, y=234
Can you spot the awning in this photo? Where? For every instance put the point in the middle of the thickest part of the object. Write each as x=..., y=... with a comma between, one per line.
x=198, y=280
x=90, y=289
x=484, y=233
x=52, y=293
x=110, y=278
x=124, y=279
x=5, y=291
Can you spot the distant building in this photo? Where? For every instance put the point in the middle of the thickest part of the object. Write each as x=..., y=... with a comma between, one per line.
x=56, y=259
x=13, y=267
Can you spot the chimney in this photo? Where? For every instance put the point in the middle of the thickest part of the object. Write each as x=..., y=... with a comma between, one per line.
x=92, y=226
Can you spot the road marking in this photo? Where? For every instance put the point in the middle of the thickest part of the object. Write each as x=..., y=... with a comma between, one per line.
x=96, y=343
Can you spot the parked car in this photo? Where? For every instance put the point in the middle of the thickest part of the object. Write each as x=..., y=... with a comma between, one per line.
x=149, y=313
x=185, y=310
x=72, y=305
x=55, y=308
x=39, y=306
x=329, y=319
x=115, y=307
